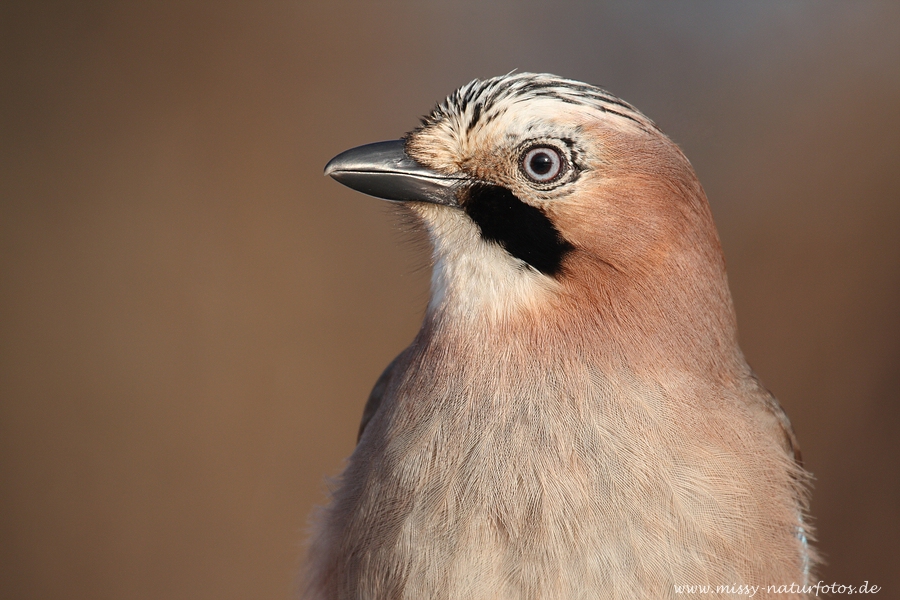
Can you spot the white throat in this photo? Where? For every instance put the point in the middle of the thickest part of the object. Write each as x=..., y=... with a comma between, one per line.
x=476, y=279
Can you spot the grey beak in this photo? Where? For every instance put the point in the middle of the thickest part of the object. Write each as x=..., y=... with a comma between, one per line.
x=384, y=170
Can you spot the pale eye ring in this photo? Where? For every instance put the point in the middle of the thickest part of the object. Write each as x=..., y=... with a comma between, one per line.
x=542, y=164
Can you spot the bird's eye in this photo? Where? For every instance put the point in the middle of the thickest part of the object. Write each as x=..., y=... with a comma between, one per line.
x=542, y=164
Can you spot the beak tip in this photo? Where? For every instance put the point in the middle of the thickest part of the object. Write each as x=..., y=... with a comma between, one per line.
x=329, y=169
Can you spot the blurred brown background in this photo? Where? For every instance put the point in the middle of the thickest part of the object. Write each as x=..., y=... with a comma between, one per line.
x=191, y=315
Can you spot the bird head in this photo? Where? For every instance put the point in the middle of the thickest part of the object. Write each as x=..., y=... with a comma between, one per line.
x=551, y=200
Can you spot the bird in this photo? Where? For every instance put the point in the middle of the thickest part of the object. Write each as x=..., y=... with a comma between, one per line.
x=575, y=418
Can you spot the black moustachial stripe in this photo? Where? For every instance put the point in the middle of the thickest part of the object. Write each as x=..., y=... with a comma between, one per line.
x=522, y=230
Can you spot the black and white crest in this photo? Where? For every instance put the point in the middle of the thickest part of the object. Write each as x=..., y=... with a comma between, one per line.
x=479, y=102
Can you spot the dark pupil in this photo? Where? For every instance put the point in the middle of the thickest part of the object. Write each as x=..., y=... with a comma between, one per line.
x=541, y=163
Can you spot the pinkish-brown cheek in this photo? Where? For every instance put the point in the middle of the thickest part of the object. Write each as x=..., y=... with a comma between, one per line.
x=602, y=231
